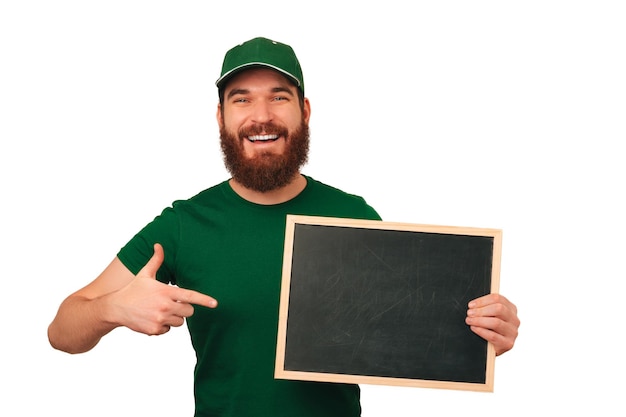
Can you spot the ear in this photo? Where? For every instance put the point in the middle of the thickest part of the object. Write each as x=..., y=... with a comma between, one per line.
x=306, y=112
x=219, y=116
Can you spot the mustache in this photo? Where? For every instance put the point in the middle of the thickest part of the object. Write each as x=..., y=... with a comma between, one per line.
x=263, y=129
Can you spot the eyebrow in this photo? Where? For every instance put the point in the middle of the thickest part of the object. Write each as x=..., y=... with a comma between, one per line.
x=279, y=89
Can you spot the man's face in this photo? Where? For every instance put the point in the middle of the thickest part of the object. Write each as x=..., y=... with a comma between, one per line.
x=263, y=129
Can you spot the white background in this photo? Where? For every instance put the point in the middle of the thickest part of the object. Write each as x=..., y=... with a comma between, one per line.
x=495, y=114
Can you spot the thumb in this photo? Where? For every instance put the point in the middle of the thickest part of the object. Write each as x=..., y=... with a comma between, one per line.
x=150, y=269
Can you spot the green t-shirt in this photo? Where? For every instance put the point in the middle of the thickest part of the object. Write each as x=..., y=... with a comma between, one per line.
x=231, y=249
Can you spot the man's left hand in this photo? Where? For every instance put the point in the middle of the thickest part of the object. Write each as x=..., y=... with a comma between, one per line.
x=494, y=318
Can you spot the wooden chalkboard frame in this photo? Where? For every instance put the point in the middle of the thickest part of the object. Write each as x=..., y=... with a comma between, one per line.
x=485, y=357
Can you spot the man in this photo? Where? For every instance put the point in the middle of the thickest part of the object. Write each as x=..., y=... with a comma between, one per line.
x=226, y=244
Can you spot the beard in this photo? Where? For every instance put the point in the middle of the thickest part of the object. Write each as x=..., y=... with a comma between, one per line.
x=265, y=171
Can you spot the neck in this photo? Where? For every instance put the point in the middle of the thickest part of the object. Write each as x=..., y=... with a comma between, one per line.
x=277, y=196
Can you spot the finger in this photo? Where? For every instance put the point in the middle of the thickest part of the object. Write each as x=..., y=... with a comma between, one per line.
x=483, y=301
x=500, y=343
x=491, y=299
x=502, y=312
x=175, y=321
x=491, y=323
x=152, y=266
x=491, y=310
x=163, y=326
x=183, y=310
x=494, y=324
x=162, y=330
x=194, y=297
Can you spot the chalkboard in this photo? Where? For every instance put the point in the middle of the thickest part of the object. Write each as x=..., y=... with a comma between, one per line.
x=379, y=302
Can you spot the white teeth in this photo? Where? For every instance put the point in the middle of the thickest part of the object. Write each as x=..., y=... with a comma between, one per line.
x=262, y=137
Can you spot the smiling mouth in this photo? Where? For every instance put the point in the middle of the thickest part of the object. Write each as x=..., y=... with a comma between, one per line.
x=262, y=138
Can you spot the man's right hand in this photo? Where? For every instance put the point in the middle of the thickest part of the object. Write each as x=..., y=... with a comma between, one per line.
x=119, y=298
x=148, y=306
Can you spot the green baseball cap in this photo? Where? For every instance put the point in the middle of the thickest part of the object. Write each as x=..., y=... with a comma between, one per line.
x=262, y=52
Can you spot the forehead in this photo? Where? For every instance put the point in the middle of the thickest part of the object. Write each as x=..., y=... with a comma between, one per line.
x=258, y=79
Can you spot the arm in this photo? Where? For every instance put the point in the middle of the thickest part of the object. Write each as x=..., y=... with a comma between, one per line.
x=119, y=298
x=494, y=318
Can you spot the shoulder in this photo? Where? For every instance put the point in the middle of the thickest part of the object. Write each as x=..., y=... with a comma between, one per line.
x=321, y=187
x=203, y=198
x=338, y=201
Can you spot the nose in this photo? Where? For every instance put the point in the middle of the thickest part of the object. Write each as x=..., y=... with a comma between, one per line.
x=261, y=112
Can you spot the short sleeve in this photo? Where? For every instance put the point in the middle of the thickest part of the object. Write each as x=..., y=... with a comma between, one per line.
x=164, y=229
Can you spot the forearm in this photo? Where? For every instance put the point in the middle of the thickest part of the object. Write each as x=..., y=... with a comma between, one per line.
x=79, y=324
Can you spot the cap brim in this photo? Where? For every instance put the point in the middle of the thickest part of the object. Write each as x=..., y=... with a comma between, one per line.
x=222, y=80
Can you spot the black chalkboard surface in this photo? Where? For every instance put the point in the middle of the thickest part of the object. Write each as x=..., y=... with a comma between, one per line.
x=385, y=303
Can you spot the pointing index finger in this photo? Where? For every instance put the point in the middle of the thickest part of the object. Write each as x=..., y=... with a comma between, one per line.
x=195, y=297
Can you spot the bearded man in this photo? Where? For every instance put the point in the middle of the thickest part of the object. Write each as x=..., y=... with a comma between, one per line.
x=226, y=244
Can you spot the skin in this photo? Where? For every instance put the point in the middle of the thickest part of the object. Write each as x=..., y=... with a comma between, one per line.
x=260, y=96
x=118, y=298
x=494, y=318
